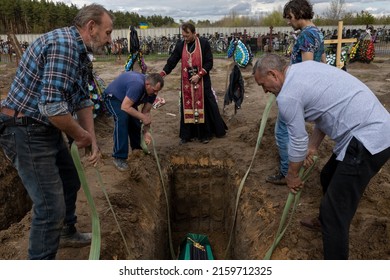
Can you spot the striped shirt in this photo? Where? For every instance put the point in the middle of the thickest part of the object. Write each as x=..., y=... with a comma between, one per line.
x=52, y=77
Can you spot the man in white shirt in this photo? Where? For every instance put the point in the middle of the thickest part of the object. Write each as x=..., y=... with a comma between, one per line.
x=348, y=112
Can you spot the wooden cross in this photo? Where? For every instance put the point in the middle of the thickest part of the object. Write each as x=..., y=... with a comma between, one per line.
x=339, y=41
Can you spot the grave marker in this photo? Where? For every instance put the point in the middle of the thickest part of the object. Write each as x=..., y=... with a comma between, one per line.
x=339, y=41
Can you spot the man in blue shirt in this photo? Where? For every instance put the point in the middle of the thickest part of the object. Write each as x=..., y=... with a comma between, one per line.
x=122, y=98
x=51, y=84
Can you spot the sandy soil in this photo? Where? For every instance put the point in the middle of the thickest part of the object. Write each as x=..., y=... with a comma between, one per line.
x=201, y=183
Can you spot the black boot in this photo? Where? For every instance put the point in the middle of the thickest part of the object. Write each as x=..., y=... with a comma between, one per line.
x=70, y=237
x=277, y=179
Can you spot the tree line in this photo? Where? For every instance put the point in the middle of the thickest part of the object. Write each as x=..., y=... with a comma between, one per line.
x=40, y=16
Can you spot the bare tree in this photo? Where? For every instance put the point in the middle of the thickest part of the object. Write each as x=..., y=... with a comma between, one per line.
x=335, y=10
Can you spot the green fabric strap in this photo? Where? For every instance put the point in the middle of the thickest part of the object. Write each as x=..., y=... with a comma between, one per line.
x=264, y=119
x=146, y=151
x=303, y=174
x=94, y=253
x=112, y=211
x=143, y=144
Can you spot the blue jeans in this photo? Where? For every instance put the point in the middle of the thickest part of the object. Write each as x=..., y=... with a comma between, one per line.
x=45, y=166
x=126, y=127
x=282, y=139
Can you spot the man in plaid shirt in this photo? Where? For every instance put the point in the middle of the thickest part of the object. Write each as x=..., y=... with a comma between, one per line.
x=50, y=86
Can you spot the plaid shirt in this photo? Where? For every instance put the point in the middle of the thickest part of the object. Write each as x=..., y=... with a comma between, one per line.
x=52, y=77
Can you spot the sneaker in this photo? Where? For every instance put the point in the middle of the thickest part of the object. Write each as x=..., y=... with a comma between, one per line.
x=278, y=179
x=70, y=237
x=120, y=164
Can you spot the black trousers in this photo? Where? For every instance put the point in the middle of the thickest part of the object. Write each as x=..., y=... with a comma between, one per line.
x=343, y=184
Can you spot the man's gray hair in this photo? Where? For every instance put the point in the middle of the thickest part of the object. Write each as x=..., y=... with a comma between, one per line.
x=154, y=79
x=269, y=62
x=93, y=12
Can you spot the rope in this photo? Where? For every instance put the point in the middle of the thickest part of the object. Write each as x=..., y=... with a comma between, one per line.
x=94, y=252
x=96, y=237
x=146, y=151
x=112, y=210
x=303, y=174
x=95, y=246
x=264, y=119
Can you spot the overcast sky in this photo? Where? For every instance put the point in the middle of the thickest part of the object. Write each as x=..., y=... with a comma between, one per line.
x=216, y=9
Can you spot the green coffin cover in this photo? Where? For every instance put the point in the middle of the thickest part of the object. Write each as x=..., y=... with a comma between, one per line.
x=195, y=247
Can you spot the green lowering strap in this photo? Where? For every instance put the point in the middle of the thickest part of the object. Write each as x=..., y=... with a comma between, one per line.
x=112, y=211
x=264, y=119
x=143, y=144
x=94, y=252
x=195, y=247
x=303, y=174
x=146, y=151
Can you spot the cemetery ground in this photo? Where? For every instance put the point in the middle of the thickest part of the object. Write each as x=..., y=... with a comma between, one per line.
x=201, y=183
